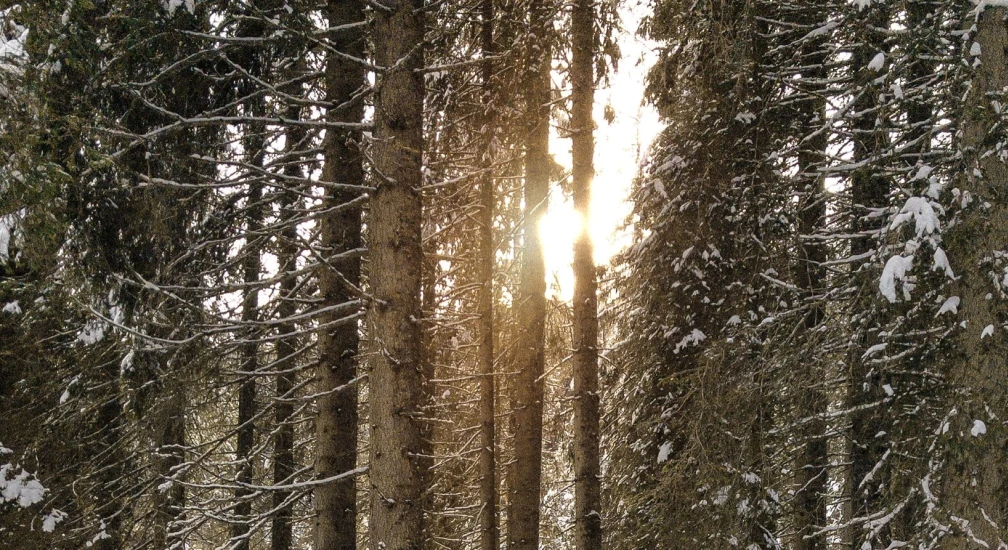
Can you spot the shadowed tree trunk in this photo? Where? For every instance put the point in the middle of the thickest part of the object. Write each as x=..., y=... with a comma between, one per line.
x=336, y=424
x=587, y=493
x=489, y=535
x=811, y=468
x=281, y=534
x=974, y=488
x=869, y=191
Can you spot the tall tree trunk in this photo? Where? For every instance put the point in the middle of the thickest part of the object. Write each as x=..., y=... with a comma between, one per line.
x=489, y=535
x=336, y=424
x=397, y=472
x=869, y=191
x=249, y=353
x=587, y=491
x=281, y=534
x=526, y=475
x=812, y=461
x=975, y=487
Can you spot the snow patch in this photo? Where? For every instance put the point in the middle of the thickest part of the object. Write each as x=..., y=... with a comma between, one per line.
x=126, y=365
x=693, y=338
x=877, y=62
x=896, y=269
x=941, y=263
x=951, y=304
x=987, y=331
x=12, y=308
x=172, y=5
x=20, y=489
x=873, y=350
x=922, y=212
x=978, y=429
x=51, y=519
x=664, y=451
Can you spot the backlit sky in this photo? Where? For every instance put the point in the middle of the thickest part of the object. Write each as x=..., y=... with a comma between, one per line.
x=618, y=150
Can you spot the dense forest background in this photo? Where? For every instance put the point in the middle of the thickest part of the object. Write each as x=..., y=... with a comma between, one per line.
x=271, y=276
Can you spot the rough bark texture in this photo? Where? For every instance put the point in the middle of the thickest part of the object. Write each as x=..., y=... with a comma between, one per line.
x=489, y=534
x=587, y=492
x=336, y=423
x=526, y=473
x=396, y=472
x=975, y=487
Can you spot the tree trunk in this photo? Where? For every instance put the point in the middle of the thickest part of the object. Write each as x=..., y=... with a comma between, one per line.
x=336, y=424
x=812, y=461
x=281, y=534
x=397, y=472
x=171, y=455
x=975, y=488
x=249, y=348
x=869, y=190
x=587, y=492
x=489, y=535
x=526, y=475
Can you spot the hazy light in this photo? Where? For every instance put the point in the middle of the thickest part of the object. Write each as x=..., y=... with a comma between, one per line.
x=619, y=148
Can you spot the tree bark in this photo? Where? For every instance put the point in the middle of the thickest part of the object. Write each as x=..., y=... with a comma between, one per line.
x=336, y=423
x=397, y=472
x=489, y=534
x=974, y=488
x=526, y=475
x=587, y=490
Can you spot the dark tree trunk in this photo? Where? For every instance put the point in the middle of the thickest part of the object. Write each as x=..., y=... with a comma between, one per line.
x=489, y=535
x=336, y=424
x=587, y=492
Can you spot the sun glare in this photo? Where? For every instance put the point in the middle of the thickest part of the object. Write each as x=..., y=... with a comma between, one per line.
x=619, y=146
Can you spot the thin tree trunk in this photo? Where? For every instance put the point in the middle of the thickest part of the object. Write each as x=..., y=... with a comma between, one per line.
x=251, y=266
x=281, y=534
x=397, y=472
x=869, y=190
x=526, y=475
x=587, y=491
x=489, y=535
x=812, y=461
x=336, y=423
